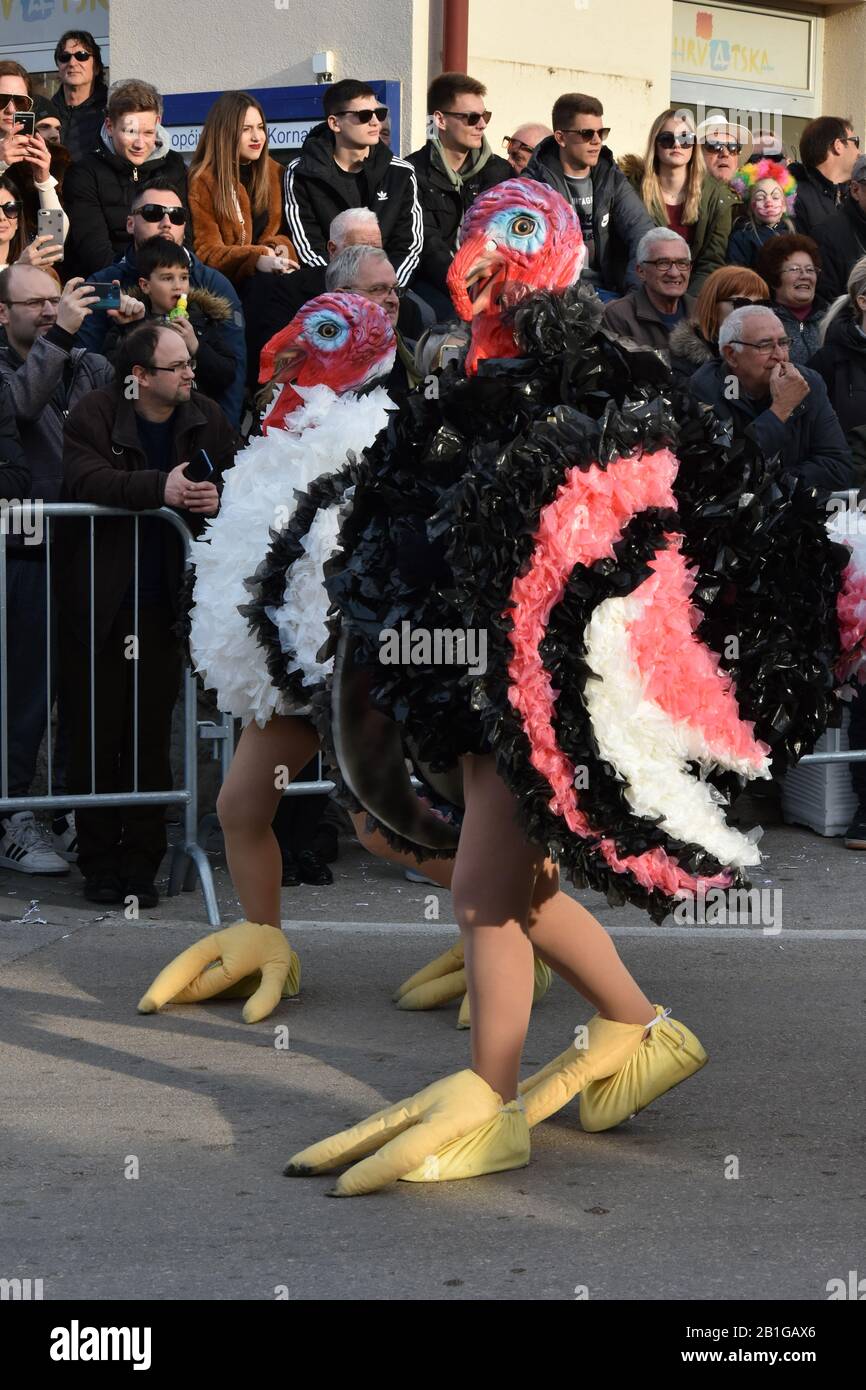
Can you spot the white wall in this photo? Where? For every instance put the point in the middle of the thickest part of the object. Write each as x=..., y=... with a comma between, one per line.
x=528, y=54
x=214, y=45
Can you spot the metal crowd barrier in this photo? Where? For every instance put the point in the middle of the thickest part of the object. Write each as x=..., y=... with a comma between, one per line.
x=188, y=859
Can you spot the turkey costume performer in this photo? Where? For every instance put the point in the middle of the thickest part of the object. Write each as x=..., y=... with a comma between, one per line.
x=660, y=609
x=323, y=362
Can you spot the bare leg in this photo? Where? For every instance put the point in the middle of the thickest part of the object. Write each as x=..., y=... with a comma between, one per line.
x=574, y=944
x=494, y=878
x=440, y=870
x=248, y=802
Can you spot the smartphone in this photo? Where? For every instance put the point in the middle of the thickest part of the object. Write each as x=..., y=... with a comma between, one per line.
x=109, y=294
x=49, y=222
x=25, y=123
x=199, y=469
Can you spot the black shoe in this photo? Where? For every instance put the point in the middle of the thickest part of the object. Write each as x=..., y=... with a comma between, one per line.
x=855, y=835
x=103, y=888
x=290, y=878
x=312, y=869
x=143, y=890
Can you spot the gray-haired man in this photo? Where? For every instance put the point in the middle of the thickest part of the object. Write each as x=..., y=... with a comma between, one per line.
x=647, y=315
x=784, y=409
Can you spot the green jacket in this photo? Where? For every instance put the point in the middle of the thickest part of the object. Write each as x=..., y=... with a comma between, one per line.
x=709, y=245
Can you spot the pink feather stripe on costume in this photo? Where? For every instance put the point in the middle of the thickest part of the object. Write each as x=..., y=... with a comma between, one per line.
x=582, y=524
x=663, y=645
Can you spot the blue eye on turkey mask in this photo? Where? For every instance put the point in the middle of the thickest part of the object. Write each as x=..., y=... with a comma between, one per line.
x=327, y=330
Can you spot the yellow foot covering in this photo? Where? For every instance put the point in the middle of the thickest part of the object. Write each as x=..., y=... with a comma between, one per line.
x=601, y=1049
x=669, y=1055
x=456, y=1128
x=444, y=979
x=501, y=1144
x=249, y=959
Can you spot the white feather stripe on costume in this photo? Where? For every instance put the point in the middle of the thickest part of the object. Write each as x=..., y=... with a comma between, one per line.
x=648, y=749
x=301, y=618
x=258, y=494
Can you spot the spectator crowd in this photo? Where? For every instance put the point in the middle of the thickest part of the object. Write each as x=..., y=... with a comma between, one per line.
x=137, y=294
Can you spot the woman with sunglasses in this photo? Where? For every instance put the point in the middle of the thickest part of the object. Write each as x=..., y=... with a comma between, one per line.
x=675, y=190
x=235, y=193
x=695, y=342
x=35, y=170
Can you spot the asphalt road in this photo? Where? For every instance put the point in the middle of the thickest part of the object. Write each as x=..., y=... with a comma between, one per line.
x=206, y=1110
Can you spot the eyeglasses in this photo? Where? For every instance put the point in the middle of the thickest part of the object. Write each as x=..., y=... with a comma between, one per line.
x=11, y=210
x=13, y=99
x=364, y=117
x=155, y=212
x=377, y=291
x=665, y=263
x=79, y=53
x=717, y=146
x=52, y=299
x=471, y=117
x=685, y=139
x=175, y=367
x=851, y=140
x=589, y=135
x=766, y=345
x=808, y=270
x=510, y=141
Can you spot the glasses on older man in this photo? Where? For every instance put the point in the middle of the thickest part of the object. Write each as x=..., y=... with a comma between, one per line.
x=666, y=263
x=509, y=142
x=765, y=345
x=717, y=146
x=80, y=54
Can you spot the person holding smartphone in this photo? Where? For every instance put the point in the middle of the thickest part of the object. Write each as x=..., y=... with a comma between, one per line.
x=234, y=193
x=26, y=159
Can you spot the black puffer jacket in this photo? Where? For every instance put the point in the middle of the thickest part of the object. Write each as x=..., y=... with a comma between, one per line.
x=80, y=125
x=619, y=218
x=316, y=190
x=817, y=198
x=444, y=205
x=97, y=192
x=841, y=238
x=841, y=362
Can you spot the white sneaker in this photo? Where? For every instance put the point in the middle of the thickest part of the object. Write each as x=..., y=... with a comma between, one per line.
x=413, y=876
x=25, y=847
x=65, y=841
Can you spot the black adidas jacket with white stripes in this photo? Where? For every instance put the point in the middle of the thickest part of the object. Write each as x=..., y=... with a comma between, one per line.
x=317, y=189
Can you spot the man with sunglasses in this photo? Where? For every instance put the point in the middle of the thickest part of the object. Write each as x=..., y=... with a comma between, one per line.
x=784, y=409
x=454, y=166
x=343, y=164
x=520, y=146
x=128, y=446
x=576, y=162
x=82, y=95
x=828, y=152
x=157, y=209
x=722, y=144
